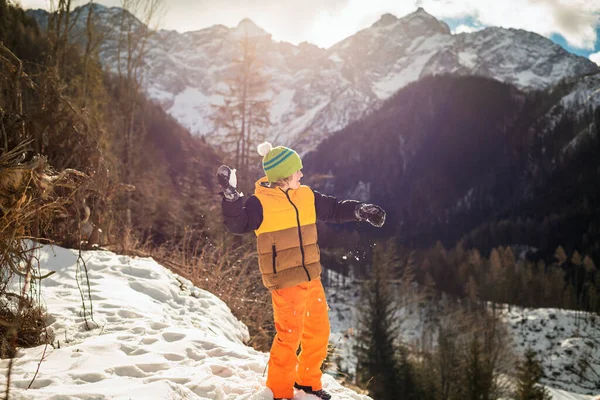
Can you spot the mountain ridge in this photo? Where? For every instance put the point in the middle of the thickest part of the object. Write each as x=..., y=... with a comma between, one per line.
x=316, y=91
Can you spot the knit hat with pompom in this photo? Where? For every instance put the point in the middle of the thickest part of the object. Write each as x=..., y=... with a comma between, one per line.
x=279, y=162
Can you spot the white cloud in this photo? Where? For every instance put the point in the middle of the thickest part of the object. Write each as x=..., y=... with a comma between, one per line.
x=33, y=4
x=331, y=26
x=466, y=29
x=575, y=20
x=595, y=57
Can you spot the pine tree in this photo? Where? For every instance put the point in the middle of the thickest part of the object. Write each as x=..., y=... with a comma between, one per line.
x=560, y=255
x=447, y=358
x=529, y=373
x=484, y=356
x=473, y=371
x=471, y=290
x=382, y=365
x=497, y=277
x=589, y=265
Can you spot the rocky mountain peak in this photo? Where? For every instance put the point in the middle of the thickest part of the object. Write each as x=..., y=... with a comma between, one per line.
x=247, y=26
x=420, y=21
x=385, y=20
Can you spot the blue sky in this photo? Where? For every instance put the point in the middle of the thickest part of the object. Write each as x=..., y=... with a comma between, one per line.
x=574, y=24
x=586, y=53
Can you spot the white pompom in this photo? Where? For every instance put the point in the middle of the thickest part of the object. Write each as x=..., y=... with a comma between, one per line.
x=264, y=148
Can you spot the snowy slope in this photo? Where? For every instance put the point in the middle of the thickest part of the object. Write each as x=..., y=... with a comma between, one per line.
x=317, y=91
x=560, y=338
x=554, y=334
x=157, y=337
x=584, y=96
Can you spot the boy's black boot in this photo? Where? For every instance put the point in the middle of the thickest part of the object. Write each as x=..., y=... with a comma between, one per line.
x=308, y=390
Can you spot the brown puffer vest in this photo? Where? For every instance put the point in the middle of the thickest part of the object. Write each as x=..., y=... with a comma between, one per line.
x=288, y=253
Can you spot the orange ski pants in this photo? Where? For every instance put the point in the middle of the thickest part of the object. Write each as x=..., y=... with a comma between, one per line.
x=301, y=319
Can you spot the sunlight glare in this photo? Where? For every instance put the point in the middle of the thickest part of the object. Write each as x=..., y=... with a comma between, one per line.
x=329, y=28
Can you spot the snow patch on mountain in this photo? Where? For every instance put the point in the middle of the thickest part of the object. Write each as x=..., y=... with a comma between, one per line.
x=281, y=104
x=194, y=106
x=404, y=75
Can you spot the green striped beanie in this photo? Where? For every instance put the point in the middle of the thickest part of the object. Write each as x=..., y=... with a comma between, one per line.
x=279, y=162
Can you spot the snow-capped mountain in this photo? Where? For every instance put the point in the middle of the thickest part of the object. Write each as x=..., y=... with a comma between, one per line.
x=316, y=91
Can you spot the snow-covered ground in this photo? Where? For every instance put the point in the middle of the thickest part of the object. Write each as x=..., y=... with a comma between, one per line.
x=155, y=336
x=559, y=337
x=562, y=339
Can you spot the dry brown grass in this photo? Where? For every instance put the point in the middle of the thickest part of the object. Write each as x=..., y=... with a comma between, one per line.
x=228, y=268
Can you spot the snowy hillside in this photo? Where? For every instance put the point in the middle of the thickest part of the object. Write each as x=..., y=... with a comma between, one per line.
x=584, y=95
x=316, y=91
x=554, y=334
x=561, y=339
x=156, y=337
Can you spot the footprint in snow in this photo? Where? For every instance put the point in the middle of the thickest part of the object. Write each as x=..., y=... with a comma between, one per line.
x=149, y=340
x=153, y=367
x=90, y=377
x=179, y=381
x=173, y=336
x=158, y=326
x=222, y=371
x=173, y=357
x=153, y=292
x=128, y=314
x=132, y=351
x=130, y=371
x=138, y=330
x=139, y=273
x=37, y=384
x=194, y=355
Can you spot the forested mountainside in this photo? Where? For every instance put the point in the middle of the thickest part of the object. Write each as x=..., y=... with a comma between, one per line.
x=477, y=161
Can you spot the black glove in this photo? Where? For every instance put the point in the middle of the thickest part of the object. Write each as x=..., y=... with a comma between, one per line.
x=228, y=181
x=371, y=213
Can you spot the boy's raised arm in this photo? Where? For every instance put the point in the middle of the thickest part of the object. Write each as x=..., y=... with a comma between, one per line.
x=329, y=209
x=239, y=217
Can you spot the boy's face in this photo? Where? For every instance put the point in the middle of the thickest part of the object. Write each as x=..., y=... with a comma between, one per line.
x=295, y=182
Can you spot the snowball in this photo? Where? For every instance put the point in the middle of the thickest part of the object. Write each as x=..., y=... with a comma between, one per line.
x=233, y=178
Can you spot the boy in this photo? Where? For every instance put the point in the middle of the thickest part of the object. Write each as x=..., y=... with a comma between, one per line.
x=283, y=214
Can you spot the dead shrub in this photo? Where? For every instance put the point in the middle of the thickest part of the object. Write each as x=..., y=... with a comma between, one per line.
x=26, y=329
